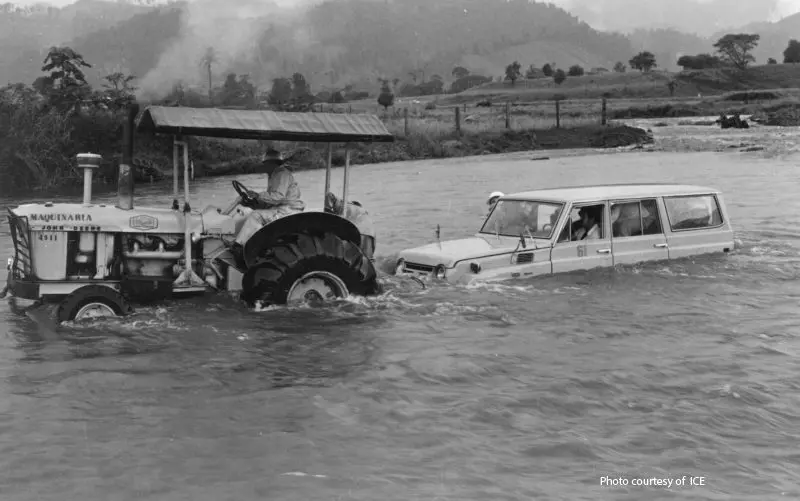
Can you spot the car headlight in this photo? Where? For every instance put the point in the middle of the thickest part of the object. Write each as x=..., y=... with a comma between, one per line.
x=400, y=266
x=475, y=268
x=439, y=272
x=10, y=263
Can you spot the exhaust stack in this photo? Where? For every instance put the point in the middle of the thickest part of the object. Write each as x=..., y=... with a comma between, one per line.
x=88, y=162
x=125, y=179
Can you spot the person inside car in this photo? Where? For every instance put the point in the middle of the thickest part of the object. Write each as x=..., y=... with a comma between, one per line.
x=492, y=201
x=588, y=229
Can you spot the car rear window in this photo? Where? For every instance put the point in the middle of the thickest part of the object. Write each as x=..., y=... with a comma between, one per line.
x=693, y=212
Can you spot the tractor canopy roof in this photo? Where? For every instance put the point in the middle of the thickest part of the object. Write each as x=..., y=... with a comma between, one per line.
x=264, y=125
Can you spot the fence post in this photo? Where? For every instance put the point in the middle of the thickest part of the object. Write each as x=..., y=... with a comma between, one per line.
x=508, y=115
x=458, y=120
x=603, y=116
x=558, y=114
x=405, y=121
x=465, y=107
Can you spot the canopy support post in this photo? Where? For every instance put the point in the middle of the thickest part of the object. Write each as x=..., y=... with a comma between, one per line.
x=187, y=278
x=346, y=179
x=328, y=174
x=175, y=145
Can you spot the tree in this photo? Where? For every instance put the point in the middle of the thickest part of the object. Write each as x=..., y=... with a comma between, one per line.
x=547, y=70
x=513, y=72
x=237, y=92
x=559, y=76
x=619, y=67
x=699, y=62
x=64, y=65
x=672, y=85
x=300, y=88
x=281, y=92
x=772, y=60
x=736, y=48
x=575, y=70
x=792, y=52
x=386, y=97
x=119, y=89
x=206, y=62
x=460, y=72
x=643, y=61
x=66, y=81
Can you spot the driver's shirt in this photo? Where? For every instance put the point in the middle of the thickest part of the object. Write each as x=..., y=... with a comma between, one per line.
x=281, y=188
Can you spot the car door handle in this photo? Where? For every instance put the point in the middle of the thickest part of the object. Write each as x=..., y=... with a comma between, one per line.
x=603, y=251
x=660, y=246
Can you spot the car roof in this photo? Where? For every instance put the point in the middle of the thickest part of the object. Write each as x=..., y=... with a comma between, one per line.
x=611, y=191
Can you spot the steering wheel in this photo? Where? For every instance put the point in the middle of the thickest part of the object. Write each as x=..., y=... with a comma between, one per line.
x=246, y=199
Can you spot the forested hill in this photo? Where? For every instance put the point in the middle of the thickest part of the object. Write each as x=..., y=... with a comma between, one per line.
x=344, y=40
x=26, y=32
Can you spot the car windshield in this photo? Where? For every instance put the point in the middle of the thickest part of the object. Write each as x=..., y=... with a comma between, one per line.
x=512, y=218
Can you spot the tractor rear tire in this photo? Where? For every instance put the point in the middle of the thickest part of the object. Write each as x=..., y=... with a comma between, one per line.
x=314, y=266
x=104, y=299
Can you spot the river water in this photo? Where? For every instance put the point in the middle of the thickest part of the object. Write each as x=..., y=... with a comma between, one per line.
x=528, y=390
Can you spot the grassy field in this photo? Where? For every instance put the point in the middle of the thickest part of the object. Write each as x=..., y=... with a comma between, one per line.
x=697, y=92
x=634, y=84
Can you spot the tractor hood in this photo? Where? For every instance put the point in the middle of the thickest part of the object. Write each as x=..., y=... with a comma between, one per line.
x=105, y=218
x=452, y=251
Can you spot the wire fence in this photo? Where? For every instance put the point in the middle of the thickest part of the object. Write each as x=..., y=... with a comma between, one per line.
x=482, y=117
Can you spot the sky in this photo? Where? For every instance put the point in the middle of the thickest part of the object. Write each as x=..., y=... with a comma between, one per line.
x=768, y=10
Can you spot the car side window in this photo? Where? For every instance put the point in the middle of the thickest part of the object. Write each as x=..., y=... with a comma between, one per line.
x=586, y=222
x=693, y=212
x=651, y=219
x=634, y=219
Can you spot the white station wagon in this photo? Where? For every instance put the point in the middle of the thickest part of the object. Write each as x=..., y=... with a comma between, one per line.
x=578, y=228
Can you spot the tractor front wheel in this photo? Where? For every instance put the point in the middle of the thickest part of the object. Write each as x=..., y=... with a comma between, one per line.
x=92, y=301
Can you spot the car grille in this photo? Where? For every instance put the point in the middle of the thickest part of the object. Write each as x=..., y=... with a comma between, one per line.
x=418, y=268
x=20, y=235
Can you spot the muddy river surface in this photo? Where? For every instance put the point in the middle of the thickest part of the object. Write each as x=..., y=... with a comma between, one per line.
x=685, y=372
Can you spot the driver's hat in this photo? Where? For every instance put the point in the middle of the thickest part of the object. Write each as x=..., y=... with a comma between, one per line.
x=494, y=196
x=272, y=155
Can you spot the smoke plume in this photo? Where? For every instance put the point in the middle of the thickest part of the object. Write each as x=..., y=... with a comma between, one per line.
x=233, y=29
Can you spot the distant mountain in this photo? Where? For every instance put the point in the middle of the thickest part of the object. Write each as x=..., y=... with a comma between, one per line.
x=341, y=42
x=26, y=31
x=774, y=37
x=332, y=43
x=702, y=18
x=668, y=45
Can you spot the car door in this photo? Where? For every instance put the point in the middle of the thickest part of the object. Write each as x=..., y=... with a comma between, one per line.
x=570, y=254
x=637, y=231
x=696, y=226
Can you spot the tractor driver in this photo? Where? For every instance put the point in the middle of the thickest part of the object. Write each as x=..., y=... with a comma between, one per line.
x=281, y=198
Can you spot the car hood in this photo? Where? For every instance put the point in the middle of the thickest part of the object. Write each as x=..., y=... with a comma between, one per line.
x=451, y=251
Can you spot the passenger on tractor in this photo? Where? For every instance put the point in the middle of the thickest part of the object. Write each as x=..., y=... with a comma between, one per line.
x=281, y=198
x=357, y=215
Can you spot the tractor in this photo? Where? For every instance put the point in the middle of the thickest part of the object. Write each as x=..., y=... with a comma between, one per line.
x=99, y=259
